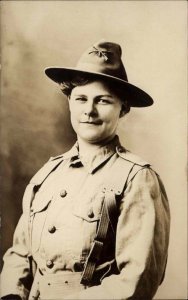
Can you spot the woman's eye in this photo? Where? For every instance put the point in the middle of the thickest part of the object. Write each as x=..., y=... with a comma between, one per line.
x=81, y=99
x=104, y=101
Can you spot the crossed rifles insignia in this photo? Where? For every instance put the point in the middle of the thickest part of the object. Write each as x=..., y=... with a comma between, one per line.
x=101, y=53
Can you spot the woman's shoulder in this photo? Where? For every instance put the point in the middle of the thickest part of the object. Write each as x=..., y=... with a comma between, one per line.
x=49, y=166
x=45, y=170
x=137, y=166
x=131, y=157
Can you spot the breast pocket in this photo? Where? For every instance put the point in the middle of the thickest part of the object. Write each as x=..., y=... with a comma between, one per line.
x=89, y=209
x=37, y=219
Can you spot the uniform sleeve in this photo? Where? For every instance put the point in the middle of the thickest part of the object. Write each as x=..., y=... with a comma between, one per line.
x=16, y=278
x=141, y=242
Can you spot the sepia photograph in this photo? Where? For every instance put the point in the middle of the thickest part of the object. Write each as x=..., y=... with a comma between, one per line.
x=93, y=150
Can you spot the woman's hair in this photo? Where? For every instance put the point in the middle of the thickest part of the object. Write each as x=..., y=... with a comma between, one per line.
x=68, y=86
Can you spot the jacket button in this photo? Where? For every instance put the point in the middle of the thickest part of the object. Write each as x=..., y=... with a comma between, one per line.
x=121, y=149
x=52, y=229
x=49, y=264
x=63, y=193
x=90, y=214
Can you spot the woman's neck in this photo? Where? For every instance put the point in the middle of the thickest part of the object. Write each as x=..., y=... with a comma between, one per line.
x=90, y=149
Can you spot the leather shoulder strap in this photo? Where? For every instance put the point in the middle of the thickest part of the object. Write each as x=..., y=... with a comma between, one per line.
x=124, y=169
x=114, y=186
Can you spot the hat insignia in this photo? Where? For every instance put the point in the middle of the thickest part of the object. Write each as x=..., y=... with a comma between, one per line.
x=101, y=53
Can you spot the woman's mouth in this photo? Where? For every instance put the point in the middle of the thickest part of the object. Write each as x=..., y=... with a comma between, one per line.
x=98, y=122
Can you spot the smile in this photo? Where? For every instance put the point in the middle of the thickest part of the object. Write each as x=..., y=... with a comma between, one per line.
x=92, y=122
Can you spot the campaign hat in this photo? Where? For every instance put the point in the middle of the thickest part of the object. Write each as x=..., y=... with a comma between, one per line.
x=103, y=61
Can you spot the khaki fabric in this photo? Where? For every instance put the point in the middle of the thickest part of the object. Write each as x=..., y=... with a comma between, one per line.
x=59, y=227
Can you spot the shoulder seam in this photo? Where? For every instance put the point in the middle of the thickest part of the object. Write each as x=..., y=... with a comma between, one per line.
x=56, y=157
x=134, y=159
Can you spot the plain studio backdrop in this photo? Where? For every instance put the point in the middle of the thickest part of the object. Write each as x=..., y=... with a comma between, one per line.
x=35, y=119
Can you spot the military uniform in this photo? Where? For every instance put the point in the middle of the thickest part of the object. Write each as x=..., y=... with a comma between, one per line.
x=61, y=213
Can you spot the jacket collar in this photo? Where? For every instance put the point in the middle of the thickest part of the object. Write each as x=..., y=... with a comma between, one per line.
x=92, y=163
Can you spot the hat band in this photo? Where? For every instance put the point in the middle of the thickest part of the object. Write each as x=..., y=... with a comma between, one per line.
x=93, y=68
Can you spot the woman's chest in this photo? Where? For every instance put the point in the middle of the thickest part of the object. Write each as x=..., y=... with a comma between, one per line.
x=66, y=212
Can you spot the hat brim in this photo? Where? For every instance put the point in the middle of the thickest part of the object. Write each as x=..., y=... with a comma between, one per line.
x=135, y=96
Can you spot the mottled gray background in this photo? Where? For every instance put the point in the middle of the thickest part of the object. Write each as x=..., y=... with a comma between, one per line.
x=34, y=114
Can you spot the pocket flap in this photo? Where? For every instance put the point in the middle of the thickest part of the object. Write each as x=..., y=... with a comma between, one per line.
x=40, y=203
x=89, y=210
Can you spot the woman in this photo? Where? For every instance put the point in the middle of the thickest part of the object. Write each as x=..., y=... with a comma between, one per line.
x=95, y=222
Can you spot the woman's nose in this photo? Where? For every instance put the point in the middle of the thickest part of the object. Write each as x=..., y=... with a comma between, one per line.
x=90, y=109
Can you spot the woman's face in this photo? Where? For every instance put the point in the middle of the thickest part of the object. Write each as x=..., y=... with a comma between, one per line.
x=95, y=112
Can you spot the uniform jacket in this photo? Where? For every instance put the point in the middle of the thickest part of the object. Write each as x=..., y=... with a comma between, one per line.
x=61, y=211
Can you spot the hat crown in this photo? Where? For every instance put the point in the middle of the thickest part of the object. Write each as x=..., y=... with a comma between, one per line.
x=103, y=57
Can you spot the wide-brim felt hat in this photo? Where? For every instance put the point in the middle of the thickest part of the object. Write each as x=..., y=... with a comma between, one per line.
x=102, y=61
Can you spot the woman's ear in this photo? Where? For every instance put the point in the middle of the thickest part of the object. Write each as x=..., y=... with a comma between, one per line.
x=125, y=108
x=122, y=113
